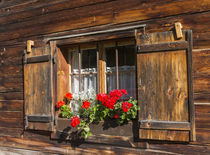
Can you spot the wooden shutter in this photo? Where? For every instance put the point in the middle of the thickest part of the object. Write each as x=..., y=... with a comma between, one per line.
x=164, y=81
x=38, y=89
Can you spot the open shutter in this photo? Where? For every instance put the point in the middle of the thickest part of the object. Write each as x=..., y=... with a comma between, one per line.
x=164, y=81
x=38, y=89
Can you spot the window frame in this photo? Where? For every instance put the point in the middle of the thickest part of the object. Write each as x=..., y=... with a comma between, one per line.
x=101, y=62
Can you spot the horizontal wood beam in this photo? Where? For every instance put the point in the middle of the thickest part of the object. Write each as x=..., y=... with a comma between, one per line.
x=38, y=59
x=170, y=125
x=171, y=46
x=44, y=119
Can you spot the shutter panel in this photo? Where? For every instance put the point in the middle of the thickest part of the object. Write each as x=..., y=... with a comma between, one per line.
x=38, y=89
x=164, y=81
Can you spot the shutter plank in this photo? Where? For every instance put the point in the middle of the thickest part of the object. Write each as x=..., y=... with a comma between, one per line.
x=163, y=85
x=38, y=88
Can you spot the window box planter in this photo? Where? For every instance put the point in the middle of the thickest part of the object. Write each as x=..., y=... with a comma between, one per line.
x=106, y=132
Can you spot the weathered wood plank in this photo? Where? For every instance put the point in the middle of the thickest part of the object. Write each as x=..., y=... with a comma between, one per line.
x=167, y=135
x=11, y=96
x=115, y=13
x=171, y=46
x=11, y=122
x=62, y=74
x=52, y=147
x=11, y=71
x=11, y=114
x=11, y=84
x=164, y=125
x=11, y=105
x=38, y=96
x=202, y=97
x=182, y=149
x=38, y=59
x=202, y=116
x=202, y=120
x=202, y=84
x=14, y=132
x=161, y=79
x=202, y=136
x=12, y=13
x=201, y=62
x=11, y=56
x=163, y=89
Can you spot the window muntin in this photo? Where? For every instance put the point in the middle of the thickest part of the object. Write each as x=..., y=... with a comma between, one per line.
x=121, y=69
x=83, y=72
x=120, y=66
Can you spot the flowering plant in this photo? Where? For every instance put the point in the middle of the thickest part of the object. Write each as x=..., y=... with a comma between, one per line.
x=96, y=108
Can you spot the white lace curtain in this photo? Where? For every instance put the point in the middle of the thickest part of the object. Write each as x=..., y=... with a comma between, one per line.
x=88, y=77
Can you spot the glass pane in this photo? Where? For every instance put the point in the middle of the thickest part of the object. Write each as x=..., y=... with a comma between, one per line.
x=74, y=62
x=75, y=83
x=88, y=82
x=110, y=57
x=110, y=69
x=111, y=82
x=89, y=59
x=127, y=73
x=126, y=55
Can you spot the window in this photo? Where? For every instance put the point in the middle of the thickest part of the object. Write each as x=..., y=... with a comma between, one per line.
x=105, y=65
x=164, y=73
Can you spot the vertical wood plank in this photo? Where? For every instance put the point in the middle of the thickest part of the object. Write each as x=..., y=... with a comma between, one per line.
x=164, y=81
x=102, y=69
x=38, y=95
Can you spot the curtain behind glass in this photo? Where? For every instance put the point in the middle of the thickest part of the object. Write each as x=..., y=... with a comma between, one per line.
x=88, y=75
x=126, y=66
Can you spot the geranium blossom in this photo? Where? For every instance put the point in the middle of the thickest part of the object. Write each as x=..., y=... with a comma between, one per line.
x=86, y=104
x=60, y=104
x=68, y=96
x=126, y=106
x=110, y=100
x=75, y=121
x=116, y=116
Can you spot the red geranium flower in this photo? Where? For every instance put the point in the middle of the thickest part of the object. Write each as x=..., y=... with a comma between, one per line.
x=116, y=116
x=126, y=106
x=124, y=91
x=102, y=97
x=60, y=104
x=75, y=121
x=86, y=104
x=68, y=96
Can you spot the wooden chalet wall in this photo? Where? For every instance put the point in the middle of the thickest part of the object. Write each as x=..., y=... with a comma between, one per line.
x=21, y=20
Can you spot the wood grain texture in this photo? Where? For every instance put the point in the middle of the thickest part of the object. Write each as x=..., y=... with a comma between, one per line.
x=102, y=69
x=52, y=147
x=182, y=148
x=163, y=88
x=14, y=132
x=201, y=63
x=11, y=105
x=38, y=89
x=62, y=73
x=11, y=96
x=163, y=83
x=115, y=13
x=202, y=117
x=12, y=122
